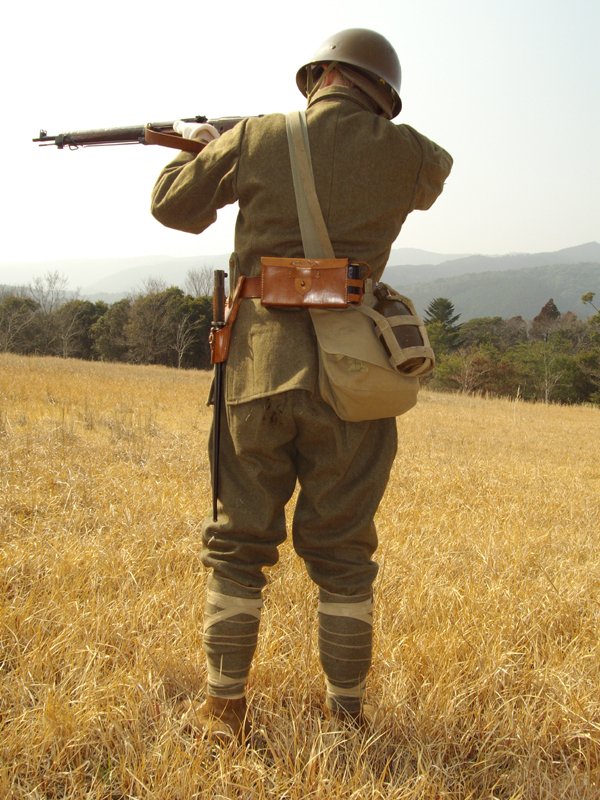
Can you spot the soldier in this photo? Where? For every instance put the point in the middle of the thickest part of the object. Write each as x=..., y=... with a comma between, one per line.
x=369, y=174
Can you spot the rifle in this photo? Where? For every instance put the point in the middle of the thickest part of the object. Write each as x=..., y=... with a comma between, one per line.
x=161, y=133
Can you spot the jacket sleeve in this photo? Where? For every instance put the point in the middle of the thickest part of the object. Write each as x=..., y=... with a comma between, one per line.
x=191, y=189
x=435, y=167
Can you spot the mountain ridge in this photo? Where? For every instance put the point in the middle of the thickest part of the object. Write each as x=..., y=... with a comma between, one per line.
x=474, y=283
x=511, y=293
x=465, y=265
x=405, y=265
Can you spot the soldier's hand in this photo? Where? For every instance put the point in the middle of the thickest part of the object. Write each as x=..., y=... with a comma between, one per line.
x=199, y=131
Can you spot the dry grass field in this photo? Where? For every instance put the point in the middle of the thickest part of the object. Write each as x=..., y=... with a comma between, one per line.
x=487, y=663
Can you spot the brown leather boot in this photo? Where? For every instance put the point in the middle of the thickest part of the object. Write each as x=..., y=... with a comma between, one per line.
x=220, y=718
x=366, y=718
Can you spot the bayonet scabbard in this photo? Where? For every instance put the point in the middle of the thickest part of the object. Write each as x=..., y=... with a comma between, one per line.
x=218, y=356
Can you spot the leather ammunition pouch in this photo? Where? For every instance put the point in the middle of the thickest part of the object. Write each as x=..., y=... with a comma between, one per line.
x=311, y=283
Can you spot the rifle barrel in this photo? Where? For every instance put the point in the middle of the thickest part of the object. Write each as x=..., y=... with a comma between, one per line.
x=130, y=134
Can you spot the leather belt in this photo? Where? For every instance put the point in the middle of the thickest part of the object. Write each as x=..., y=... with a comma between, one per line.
x=251, y=287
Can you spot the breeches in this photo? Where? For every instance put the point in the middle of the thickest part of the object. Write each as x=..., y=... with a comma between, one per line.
x=342, y=469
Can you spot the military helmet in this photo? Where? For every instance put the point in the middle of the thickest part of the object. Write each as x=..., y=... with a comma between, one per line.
x=367, y=51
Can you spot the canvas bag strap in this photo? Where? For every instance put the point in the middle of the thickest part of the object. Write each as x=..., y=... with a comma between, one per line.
x=315, y=238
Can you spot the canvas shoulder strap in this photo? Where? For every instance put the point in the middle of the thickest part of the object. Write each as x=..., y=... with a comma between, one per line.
x=315, y=238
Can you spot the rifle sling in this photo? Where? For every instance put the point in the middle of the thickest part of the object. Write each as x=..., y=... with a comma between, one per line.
x=171, y=139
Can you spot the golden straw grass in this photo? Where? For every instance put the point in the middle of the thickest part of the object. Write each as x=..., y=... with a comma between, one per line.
x=486, y=681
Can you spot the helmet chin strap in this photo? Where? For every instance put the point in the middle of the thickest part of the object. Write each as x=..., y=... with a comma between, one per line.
x=373, y=88
x=311, y=86
x=381, y=96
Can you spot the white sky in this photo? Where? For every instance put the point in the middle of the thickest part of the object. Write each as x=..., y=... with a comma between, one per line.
x=509, y=87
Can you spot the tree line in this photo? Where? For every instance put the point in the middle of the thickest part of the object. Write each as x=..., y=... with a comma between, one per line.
x=156, y=325
x=553, y=358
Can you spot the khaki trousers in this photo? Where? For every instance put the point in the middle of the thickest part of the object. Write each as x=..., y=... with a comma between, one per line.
x=342, y=468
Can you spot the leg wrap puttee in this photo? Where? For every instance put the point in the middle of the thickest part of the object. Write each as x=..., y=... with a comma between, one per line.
x=345, y=646
x=230, y=639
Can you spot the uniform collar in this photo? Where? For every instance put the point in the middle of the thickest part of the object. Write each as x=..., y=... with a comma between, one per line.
x=344, y=93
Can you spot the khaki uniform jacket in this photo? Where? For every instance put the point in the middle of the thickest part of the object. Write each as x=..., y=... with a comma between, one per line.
x=369, y=175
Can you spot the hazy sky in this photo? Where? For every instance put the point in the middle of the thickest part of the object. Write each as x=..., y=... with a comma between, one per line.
x=509, y=87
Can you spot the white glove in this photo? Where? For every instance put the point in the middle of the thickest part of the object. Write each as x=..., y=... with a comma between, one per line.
x=200, y=132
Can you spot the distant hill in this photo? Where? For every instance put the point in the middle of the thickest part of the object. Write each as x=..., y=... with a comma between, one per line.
x=516, y=284
x=102, y=276
x=172, y=270
x=95, y=276
x=400, y=273
x=114, y=276
x=510, y=293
